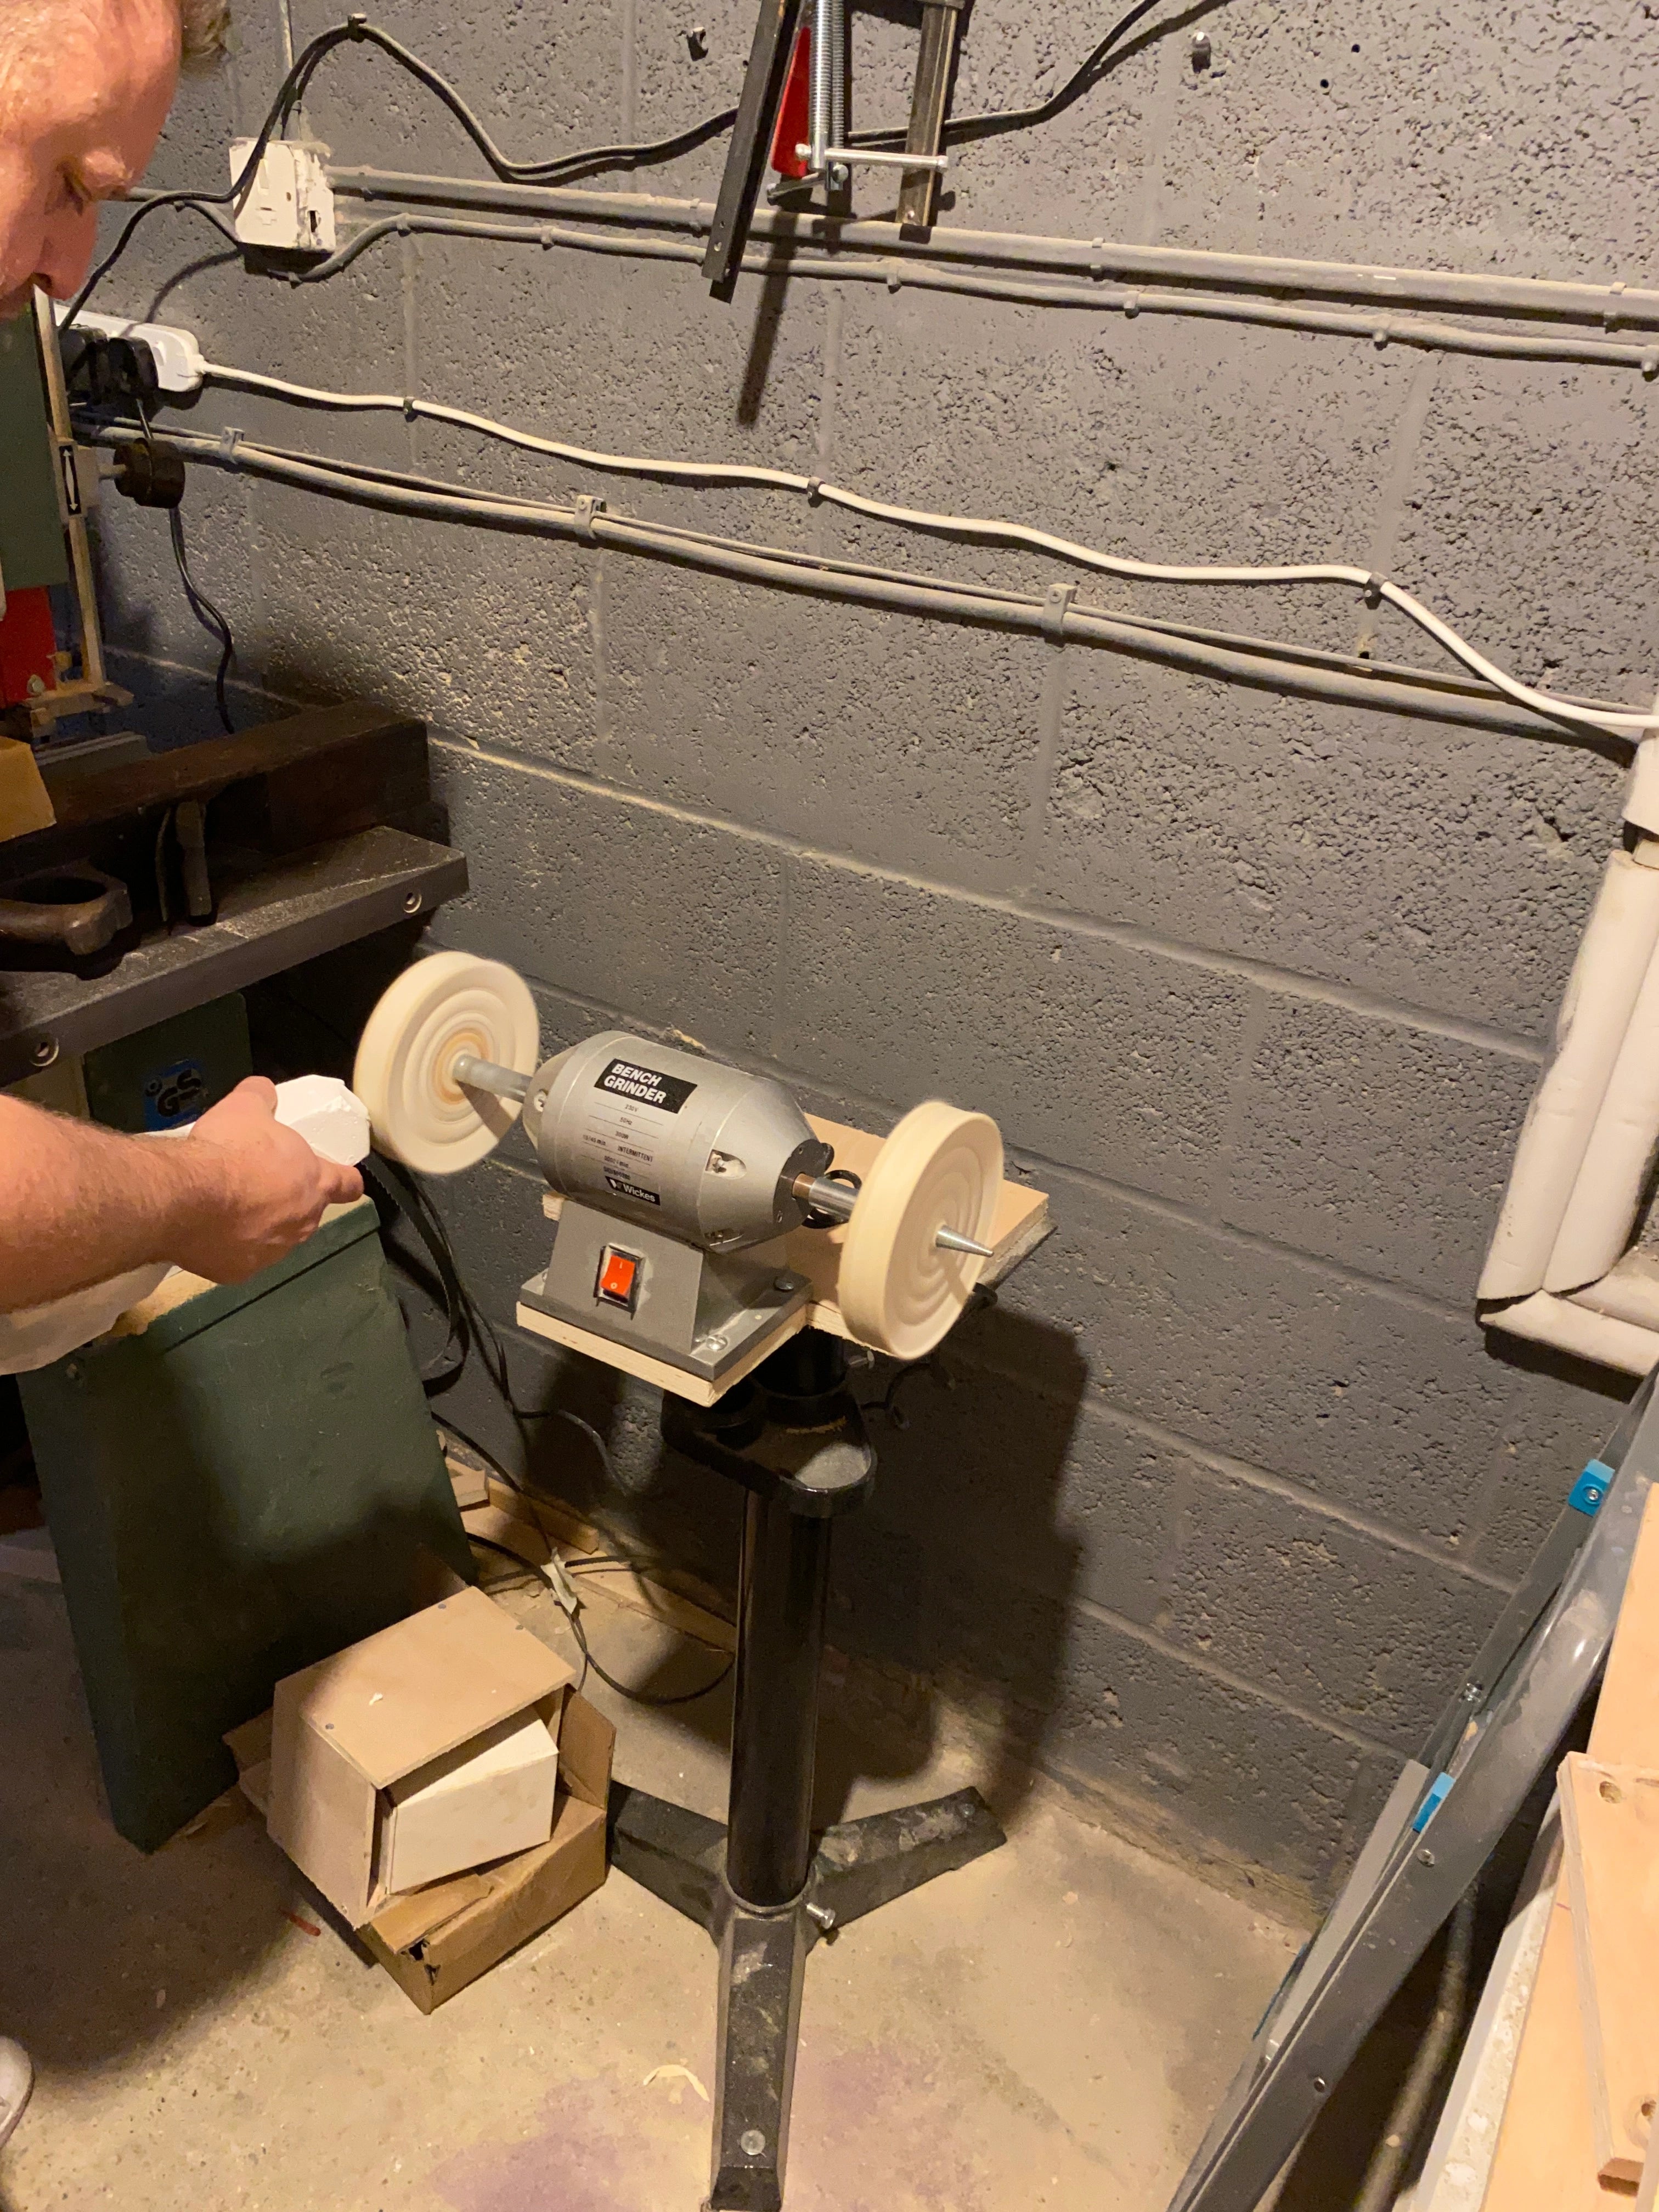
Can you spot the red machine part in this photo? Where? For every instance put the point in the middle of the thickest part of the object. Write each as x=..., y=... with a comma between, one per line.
x=28, y=647
x=794, y=109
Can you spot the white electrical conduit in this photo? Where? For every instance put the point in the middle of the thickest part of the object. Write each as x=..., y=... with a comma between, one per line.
x=1614, y=958
x=1629, y=1292
x=1569, y=1327
x=1596, y=1226
x=1377, y=588
x=897, y=274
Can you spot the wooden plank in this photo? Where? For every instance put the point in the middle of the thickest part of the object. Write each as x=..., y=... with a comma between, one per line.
x=1627, y=1729
x=296, y=742
x=1546, y=2156
x=469, y=1483
x=509, y=1528
x=641, y=1364
x=1610, y=1828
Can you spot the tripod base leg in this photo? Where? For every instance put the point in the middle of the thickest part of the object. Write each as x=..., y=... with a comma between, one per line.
x=861, y=1864
x=858, y=1865
x=677, y=1856
x=762, y=1966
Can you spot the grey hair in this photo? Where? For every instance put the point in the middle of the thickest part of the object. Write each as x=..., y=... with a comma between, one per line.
x=203, y=26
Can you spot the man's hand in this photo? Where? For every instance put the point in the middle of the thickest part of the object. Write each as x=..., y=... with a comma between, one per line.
x=260, y=1189
x=79, y=1204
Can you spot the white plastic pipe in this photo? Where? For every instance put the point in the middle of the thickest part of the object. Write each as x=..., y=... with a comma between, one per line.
x=1641, y=806
x=1613, y=961
x=1601, y=1211
x=1569, y=1327
x=1628, y=1291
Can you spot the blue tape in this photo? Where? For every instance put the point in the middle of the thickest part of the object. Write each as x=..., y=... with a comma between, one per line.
x=1439, y=1789
x=1591, y=1487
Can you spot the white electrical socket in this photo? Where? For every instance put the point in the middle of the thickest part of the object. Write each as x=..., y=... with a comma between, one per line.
x=288, y=203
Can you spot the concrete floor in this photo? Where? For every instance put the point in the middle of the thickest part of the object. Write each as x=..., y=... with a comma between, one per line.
x=1048, y=2027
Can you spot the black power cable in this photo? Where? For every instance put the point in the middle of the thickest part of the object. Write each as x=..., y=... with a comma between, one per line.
x=551, y=171
x=201, y=606
x=624, y=1689
x=209, y=616
x=203, y=204
x=960, y=129
x=357, y=30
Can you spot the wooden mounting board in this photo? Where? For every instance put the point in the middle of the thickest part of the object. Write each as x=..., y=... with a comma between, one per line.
x=1018, y=1227
x=1610, y=1823
x=1625, y=1730
x=679, y=1380
x=1550, y=2146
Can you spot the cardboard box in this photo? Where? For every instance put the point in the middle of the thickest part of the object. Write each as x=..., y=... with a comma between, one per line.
x=352, y=1732
x=435, y=1940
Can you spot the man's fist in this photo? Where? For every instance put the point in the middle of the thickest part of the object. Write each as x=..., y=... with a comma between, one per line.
x=255, y=1188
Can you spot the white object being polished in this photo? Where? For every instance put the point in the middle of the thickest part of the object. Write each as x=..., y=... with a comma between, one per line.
x=491, y=1797
x=319, y=1108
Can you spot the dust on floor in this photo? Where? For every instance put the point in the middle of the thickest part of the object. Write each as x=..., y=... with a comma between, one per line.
x=1048, y=2028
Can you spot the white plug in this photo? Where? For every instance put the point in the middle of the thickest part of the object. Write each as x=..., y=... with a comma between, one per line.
x=288, y=205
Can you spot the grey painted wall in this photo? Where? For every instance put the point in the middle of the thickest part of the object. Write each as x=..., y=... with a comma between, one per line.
x=1231, y=1483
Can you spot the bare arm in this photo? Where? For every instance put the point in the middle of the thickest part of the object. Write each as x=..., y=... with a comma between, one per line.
x=79, y=1204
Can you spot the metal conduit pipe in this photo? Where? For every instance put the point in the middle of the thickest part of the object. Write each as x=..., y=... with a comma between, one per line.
x=1608, y=305
x=1056, y=617
x=1404, y=2125
x=1376, y=329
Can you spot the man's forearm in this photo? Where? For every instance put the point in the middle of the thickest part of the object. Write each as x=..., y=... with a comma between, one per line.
x=79, y=1204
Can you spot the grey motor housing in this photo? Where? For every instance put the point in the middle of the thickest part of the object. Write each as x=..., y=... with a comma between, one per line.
x=671, y=1141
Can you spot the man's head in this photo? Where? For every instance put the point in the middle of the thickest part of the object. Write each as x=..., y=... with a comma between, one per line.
x=84, y=89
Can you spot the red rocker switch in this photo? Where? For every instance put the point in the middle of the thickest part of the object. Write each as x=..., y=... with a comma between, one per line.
x=619, y=1278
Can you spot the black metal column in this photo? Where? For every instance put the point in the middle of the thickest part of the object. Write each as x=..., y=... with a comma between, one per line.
x=783, y=1591
x=794, y=1438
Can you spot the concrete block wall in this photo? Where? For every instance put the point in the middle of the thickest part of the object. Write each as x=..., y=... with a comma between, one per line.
x=1231, y=1483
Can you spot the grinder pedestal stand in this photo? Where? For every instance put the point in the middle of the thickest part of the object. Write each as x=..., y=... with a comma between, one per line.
x=764, y=1886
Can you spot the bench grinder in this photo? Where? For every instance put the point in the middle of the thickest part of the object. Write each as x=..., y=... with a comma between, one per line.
x=708, y=1242
x=680, y=1179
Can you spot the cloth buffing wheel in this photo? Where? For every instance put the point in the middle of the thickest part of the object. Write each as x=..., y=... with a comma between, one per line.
x=441, y=1007
x=940, y=1169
